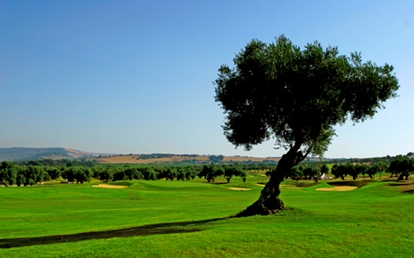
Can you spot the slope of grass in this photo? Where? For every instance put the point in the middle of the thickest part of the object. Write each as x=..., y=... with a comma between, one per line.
x=191, y=219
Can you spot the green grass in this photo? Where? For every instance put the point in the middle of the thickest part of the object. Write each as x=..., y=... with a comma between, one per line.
x=191, y=219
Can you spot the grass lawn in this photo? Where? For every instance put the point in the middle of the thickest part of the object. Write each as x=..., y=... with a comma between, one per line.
x=191, y=219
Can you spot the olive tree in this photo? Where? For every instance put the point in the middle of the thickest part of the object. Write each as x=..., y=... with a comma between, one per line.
x=295, y=97
x=340, y=171
x=8, y=173
x=233, y=170
x=401, y=165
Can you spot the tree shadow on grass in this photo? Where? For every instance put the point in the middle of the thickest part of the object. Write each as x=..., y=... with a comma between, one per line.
x=404, y=186
x=146, y=230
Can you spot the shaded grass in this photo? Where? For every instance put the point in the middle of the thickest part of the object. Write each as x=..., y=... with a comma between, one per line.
x=162, y=228
x=357, y=183
x=404, y=186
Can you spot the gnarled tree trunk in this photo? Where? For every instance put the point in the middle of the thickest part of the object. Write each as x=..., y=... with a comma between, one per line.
x=269, y=201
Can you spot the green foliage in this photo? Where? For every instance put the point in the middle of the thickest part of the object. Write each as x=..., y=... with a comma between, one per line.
x=403, y=166
x=215, y=158
x=325, y=169
x=208, y=172
x=234, y=170
x=8, y=173
x=339, y=171
x=20, y=179
x=33, y=175
x=148, y=173
x=311, y=172
x=296, y=95
x=296, y=172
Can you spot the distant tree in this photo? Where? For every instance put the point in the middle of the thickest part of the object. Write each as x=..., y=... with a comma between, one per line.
x=205, y=170
x=243, y=175
x=408, y=167
x=311, y=173
x=395, y=166
x=360, y=169
x=69, y=173
x=182, y=173
x=402, y=166
x=83, y=174
x=340, y=171
x=216, y=158
x=371, y=171
x=133, y=173
x=296, y=97
x=209, y=172
x=171, y=173
x=96, y=171
x=233, y=170
x=107, y=174
x=378, y=167
x=120, y=175
x=32, y=175
x=54, y=172
x=8, y=173
x=149, y=174
x=218, y=171
x=324, y=169
x=296, y=172
x=161, y=172
x=191, y=172
x=20, y=179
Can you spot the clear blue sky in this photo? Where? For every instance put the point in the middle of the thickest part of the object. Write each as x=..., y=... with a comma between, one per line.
x=136, y=76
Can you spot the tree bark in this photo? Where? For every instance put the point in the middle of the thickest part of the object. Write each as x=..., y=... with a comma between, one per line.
x=269, y=201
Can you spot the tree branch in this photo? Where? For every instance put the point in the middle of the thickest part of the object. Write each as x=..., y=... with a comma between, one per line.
x=307, y=152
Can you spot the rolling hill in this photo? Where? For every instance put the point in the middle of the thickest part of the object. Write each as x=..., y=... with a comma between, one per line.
x=20, y=153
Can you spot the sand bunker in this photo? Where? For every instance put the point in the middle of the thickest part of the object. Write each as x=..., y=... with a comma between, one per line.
x=110, y=186
x=239, y=189
x=338, y=188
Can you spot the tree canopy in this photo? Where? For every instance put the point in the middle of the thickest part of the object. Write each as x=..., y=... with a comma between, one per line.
x=297, y=96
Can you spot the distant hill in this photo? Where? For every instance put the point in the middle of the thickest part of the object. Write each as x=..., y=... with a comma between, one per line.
x=18, y=153
x=26, y=154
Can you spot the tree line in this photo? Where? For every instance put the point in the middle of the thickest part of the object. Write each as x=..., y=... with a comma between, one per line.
x=31, y=173
x=28, y=175
x=400, y=167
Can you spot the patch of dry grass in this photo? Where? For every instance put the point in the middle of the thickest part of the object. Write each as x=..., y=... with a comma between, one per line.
x=243, y=159
x=135, y=159
x=338, y=188
x=110, y=186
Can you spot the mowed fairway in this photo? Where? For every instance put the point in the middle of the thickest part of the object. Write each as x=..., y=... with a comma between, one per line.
x=191, y=219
